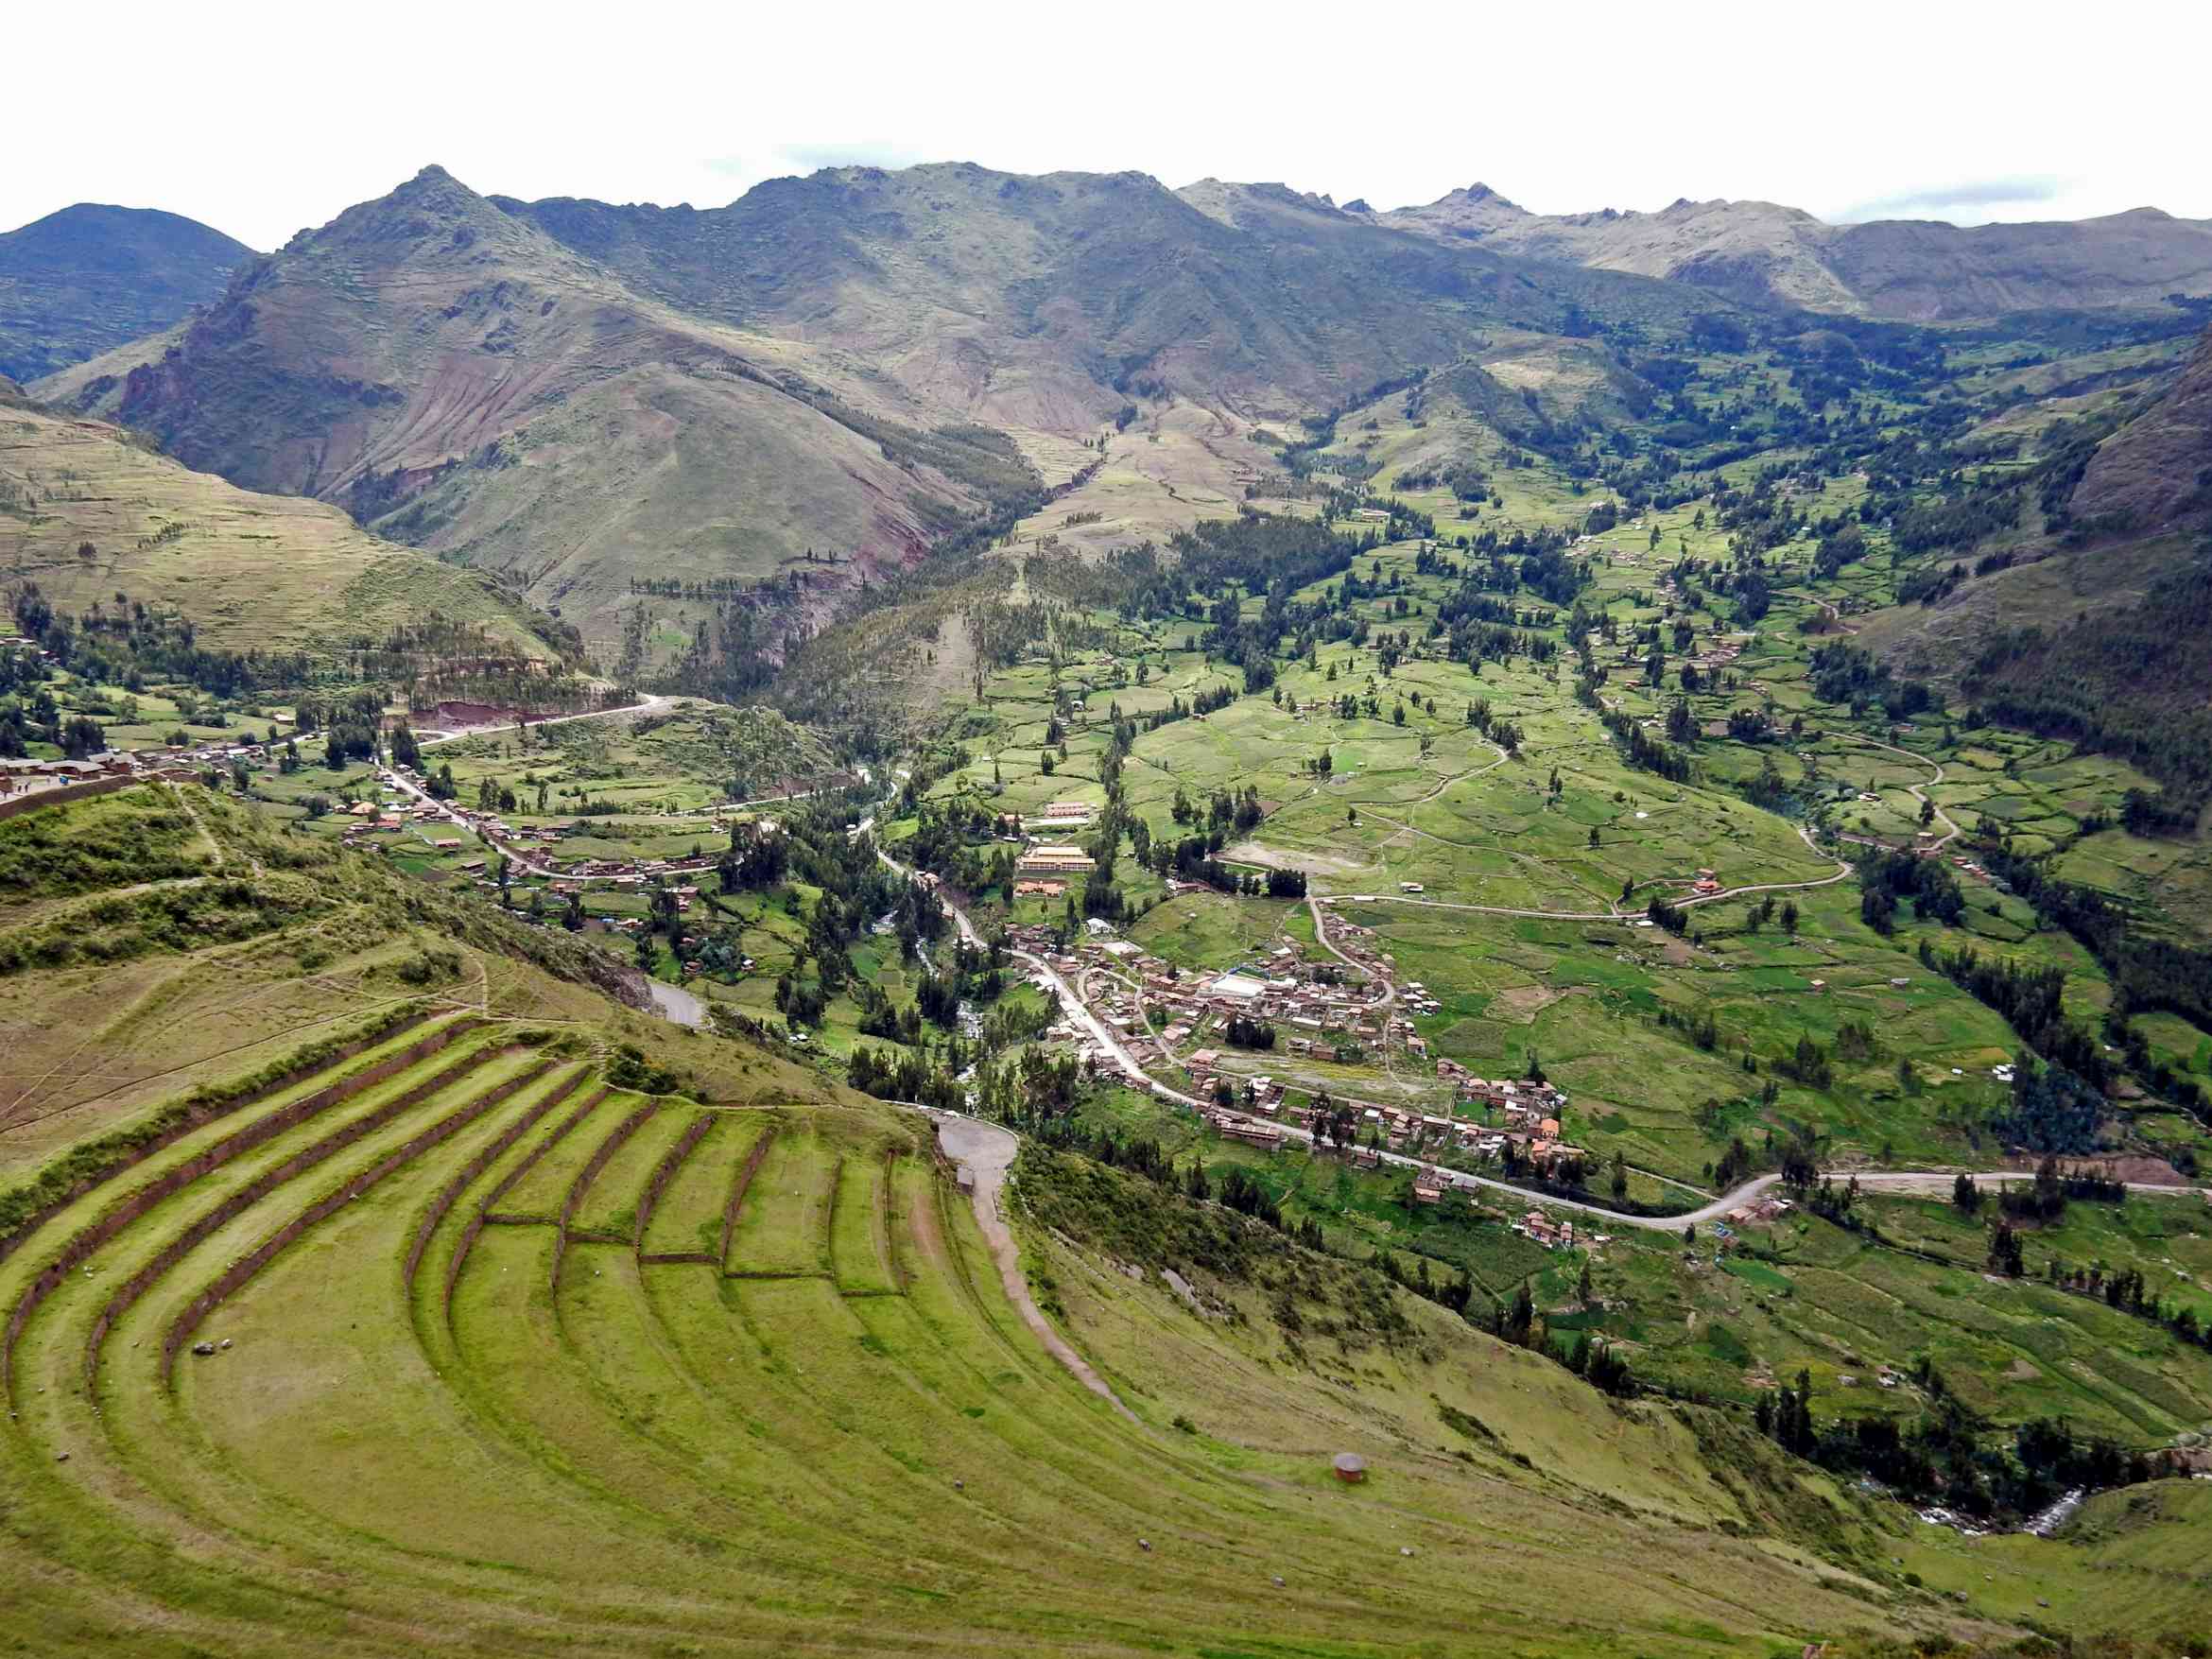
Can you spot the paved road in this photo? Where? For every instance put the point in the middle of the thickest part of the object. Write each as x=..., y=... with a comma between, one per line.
x=648, y=701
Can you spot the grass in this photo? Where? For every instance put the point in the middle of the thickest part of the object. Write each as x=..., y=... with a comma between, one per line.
x=499, y=1465
x=267, y=573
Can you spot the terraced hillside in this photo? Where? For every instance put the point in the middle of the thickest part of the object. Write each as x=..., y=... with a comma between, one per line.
x=167, y=936
x=441, y=1340
x=88, y=512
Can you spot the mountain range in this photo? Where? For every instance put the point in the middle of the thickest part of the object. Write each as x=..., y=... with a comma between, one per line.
x=1759, y=253
x=866, y=364
x=862, y=362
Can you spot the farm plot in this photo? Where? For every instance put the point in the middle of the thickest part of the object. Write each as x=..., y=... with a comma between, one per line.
x=783, y=1222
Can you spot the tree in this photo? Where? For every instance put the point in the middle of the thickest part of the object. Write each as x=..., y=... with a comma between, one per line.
x=2004, y=1251
x=81, y=736
x=1789, y=918
x=1965, y=1194
x=1522, y=1320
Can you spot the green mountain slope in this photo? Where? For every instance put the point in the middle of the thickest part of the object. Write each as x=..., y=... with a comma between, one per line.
x=456, y=380
x=88, y=512
x=90, y=278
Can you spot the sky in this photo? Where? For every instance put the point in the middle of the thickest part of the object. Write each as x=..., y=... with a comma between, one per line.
x=263, y=120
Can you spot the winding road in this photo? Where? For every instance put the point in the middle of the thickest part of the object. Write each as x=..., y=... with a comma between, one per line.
x=1110, y=1042
x=523, y=861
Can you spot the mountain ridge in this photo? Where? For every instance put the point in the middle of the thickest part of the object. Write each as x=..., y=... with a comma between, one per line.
x=91, y=277
x=1923, y=270
x=459, y=381
x=576, y=394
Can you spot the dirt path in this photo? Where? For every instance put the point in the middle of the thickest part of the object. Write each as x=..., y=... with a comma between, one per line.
x=216, y=856
x=984, y=1152
x=1951, y=830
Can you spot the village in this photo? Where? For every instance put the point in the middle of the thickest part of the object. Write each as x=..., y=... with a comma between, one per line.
x=1136, y=1015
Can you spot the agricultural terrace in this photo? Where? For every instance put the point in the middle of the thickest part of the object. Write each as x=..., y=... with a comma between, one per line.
x=452, y=1328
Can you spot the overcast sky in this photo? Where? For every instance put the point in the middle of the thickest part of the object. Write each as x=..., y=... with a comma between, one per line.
x=263, y=120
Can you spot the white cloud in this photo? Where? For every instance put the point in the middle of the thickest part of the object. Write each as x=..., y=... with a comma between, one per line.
x=262, y=118
x=1969, y=202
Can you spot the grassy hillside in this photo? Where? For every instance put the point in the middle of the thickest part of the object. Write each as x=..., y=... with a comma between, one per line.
x=88, y=512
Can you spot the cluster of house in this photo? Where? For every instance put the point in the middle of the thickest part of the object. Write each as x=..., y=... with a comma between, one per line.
x=20, y=775
x=1765, y=1209
x=1540, y=1228
x=1280, y=989
x=1722, y=652
x=1043, y=867
x=1531, y=1111
x=372, y=817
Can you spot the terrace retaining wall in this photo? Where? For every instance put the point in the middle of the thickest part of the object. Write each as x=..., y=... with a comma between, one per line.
x=229, y=1209
x=243, y=1270
x=81, y=1244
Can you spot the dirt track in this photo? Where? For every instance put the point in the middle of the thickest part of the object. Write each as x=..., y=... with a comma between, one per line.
x=985, y=1150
